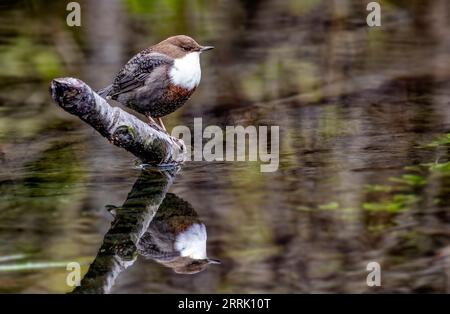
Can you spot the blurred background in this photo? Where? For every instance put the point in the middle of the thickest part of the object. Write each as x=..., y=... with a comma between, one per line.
x=364, y=116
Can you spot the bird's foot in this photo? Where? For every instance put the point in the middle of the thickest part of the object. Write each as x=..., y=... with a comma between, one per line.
x=152, y=123
x=178, y=142
x=157, y=127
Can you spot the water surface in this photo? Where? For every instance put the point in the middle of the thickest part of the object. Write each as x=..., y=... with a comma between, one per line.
x=364, y=116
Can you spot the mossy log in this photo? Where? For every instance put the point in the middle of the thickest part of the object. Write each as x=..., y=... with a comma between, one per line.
x=147, y=142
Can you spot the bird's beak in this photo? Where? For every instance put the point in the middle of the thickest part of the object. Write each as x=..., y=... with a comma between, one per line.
x=206, y=48
x=213, y=261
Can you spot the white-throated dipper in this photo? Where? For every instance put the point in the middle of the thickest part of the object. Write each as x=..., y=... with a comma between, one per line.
x=176, y=238
x=160, y=79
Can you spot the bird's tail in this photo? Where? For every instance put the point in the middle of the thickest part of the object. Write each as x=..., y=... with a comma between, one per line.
x=105, y=92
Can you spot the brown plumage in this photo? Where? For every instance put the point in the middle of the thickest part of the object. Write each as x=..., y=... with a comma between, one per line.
x=160, y=79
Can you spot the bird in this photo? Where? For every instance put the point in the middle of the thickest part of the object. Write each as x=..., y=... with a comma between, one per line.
x=176, y=238
x=160, y=79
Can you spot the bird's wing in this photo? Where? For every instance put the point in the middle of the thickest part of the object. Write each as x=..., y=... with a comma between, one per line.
x=137, y=70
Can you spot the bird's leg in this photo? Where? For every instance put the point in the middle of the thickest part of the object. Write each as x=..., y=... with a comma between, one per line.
x=150, y=119
x=154, y=124
x=161, y=124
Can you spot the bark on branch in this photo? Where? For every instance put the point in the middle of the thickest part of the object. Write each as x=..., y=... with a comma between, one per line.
x=147, y=142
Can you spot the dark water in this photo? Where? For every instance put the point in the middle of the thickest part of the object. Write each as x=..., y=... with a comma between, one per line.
x=364, y=116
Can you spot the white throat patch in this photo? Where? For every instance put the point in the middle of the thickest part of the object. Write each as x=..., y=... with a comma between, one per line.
x=186, y=71
x=192, y=242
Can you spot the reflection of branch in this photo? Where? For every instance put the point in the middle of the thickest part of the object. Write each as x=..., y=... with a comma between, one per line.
x=118, y=250
x=146, y=142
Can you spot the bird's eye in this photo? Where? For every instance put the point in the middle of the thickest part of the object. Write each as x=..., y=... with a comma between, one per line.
x=185, y=48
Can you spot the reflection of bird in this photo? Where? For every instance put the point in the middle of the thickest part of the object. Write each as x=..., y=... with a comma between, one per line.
x=176, y=238
x=160, y=79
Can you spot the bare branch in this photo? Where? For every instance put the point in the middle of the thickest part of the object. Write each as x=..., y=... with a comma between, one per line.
x=147, y=142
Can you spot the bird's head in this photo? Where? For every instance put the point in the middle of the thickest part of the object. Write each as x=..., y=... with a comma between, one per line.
x=179, y=46
x=189, y=266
